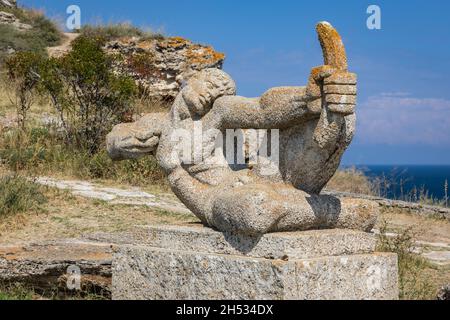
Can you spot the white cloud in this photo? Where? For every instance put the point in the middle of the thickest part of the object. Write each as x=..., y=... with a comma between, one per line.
x=397, y=118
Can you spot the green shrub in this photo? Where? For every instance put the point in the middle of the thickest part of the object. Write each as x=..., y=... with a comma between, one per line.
x=23, y=77
x=88, y=96
x=18, y=194
x=43, y=151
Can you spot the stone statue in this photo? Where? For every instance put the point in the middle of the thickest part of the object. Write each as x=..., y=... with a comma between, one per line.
x=315, y=125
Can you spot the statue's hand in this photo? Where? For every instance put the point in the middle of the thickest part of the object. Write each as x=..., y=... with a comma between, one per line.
x=339, y=91
x=333, y=89
x=137, y=139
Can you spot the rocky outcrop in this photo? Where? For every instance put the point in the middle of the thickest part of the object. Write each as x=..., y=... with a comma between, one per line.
x=8, y=18
x=44, y=266
x=8, y=4
x=161, y=66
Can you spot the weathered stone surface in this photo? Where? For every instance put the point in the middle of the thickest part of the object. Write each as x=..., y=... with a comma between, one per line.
x=191, y=263
x=285, y=246
x=44, y=265
x=341, y=78
x=266, y=196
x=444, y=293
x=341, y=99
x=439, y=258
x=8, y=3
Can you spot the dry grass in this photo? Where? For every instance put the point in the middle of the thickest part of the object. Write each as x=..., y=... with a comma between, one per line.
x=16, y=292
x=417, y=277
x=18, y=194
x=116, y=31
x=426, y=229
x=419, y=280
x=40, y=108
x=350, y=180
x=68, y=216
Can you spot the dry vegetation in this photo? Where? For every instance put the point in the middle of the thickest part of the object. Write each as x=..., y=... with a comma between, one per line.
x=67, y=216
x=418, y=279
x=110, y=32
x=44, y=33
x=351, y=180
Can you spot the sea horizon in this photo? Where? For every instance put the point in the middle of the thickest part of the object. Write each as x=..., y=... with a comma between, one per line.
x=414, y=182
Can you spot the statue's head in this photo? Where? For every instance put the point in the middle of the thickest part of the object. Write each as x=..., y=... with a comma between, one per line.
x=205, y=87
x=135, y=140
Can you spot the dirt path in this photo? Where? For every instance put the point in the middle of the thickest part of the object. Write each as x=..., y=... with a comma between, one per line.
x=64, y=47
x=117, y=195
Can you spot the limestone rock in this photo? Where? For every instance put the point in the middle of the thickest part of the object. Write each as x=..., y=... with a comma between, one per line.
x=43, y=266
x=162, y=66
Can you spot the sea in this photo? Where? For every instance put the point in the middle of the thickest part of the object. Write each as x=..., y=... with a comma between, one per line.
x=408, y=182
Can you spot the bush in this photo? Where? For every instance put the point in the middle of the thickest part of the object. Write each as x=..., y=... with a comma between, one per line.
x=88, y=96
x=23, y=77
x=18, y=194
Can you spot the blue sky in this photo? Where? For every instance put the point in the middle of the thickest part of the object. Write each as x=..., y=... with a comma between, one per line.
x=403, y=69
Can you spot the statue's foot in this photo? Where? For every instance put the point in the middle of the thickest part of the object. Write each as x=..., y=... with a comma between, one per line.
x=357, y=214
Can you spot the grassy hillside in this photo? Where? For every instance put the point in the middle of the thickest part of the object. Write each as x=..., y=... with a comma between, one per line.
x=44, y=32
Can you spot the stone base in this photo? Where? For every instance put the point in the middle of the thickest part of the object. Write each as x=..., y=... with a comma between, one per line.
x=196, y=263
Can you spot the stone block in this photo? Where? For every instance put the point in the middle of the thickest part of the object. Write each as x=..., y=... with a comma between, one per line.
x=198, y=263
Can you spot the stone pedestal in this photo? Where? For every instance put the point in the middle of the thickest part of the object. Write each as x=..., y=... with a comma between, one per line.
x=199, y=263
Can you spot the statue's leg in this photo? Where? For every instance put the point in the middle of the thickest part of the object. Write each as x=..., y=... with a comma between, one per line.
x=250, y=209
x=195, y=195
x=322, y=211
x=258, y=209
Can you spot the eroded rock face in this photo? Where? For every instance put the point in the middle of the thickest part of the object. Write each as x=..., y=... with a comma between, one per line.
x=315, y=123
x=162, y=66
x=10, y=19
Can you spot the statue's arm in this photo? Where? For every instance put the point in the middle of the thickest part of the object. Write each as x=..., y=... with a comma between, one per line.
x=278, y=108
